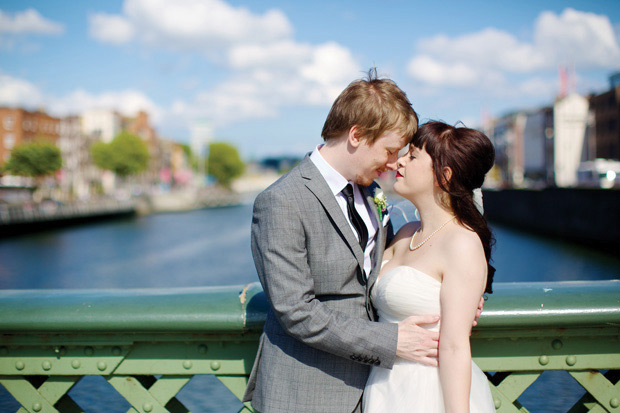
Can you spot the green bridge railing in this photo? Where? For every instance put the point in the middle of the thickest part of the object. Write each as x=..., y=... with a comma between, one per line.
x=149, y=343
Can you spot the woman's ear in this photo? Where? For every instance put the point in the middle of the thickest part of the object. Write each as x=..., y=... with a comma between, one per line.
x=447, y=175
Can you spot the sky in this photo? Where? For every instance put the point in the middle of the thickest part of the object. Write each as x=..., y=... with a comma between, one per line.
x=263, y=74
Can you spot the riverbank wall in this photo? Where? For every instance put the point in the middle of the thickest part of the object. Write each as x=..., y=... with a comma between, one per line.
x=582, y=215
x=20, y=220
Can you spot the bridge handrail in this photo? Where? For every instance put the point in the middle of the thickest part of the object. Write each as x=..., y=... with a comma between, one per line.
x=243, y=308
x=149, y=343
x=199, y=309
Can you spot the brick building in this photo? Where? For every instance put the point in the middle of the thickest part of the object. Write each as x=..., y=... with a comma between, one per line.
x=19, y=126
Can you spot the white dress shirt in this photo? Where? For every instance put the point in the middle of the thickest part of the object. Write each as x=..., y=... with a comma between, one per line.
x=336, y=183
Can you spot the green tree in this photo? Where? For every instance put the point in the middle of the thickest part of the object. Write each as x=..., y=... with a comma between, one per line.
x=36, y=159
x=224, y=163
x=126, y=155
x=102, y=155
x=192, y=159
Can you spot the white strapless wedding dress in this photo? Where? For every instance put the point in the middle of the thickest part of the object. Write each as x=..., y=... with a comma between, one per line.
x=413, y=387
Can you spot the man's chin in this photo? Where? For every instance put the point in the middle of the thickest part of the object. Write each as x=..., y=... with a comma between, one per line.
x=363, y=180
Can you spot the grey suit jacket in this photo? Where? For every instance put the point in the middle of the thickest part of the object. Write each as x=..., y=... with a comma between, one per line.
x=320, y=338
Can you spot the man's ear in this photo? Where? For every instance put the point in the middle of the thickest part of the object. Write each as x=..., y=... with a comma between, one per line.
x=354, y=138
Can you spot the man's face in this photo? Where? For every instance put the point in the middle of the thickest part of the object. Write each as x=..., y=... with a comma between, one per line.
x=374, y=158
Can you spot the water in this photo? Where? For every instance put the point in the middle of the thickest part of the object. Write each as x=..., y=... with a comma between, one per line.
x=211, y=247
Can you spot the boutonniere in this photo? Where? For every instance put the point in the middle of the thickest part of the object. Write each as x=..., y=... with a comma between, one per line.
x=380, y=202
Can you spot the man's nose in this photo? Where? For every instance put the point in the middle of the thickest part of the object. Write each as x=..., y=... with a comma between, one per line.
x=392, y=163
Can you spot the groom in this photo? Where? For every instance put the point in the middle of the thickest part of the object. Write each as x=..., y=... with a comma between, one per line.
x=317, y=241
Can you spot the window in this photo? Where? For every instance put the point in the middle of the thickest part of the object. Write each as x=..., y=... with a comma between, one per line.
x=8, y=122
x=9, y=141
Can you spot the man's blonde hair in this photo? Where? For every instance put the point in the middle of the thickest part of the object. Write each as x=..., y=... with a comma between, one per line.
x=375, y=106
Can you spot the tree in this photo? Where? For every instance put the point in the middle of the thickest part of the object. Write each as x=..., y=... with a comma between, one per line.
x=126, y=155
x=36, y=159
x=224, y=163
x=192, y=159
x=102, y=155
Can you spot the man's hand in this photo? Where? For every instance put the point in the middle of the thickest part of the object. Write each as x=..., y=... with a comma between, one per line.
x=416, y=343
x=479, y=311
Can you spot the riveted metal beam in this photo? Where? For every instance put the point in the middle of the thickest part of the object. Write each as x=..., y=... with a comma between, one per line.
x=149, y=343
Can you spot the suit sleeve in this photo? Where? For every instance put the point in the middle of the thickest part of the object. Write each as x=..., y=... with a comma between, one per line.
x=280, y=256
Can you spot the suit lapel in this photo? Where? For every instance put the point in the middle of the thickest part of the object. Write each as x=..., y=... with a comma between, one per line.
x=380, y=237
x=317, y=185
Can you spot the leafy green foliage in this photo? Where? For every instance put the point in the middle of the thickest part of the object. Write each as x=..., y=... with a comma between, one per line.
x=36, y=159
x=224, y=163
x=102, y=155
x=126, y=155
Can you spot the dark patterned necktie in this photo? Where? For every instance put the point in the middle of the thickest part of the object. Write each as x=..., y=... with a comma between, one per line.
x=355, y=217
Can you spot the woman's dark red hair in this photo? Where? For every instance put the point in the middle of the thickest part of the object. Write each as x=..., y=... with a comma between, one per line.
x=470, y=155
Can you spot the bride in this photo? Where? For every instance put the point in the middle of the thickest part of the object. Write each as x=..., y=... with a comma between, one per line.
x=437, y=265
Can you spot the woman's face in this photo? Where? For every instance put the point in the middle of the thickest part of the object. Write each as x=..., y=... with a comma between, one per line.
x=414, y=173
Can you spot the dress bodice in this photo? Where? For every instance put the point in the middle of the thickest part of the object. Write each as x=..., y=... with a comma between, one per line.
x=404, y=291
x=409, y=386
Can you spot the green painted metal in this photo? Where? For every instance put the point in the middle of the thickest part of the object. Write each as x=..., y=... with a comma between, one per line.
x=216, y=309
x=149, y=343
x=558, y=304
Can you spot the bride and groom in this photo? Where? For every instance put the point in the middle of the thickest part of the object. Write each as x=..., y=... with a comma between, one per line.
x=353, y=322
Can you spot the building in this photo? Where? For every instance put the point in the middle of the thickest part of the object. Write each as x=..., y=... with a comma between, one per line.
x=79, y=178
x=507, y=137
x=201, y=136
x=606, y=121
x=570, y=119
x=104, y=124
x=538, y=147
x=141, y=127
x=18, y=126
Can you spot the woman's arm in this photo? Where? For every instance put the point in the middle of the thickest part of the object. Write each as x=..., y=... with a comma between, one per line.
x=464, y=276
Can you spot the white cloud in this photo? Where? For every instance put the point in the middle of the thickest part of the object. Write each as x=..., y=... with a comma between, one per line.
x=266, y=81
x=488, y=58
x=436, y=73
x=127, y=102
x=22, y=93
x=110, y=28
x=204, y=25
x=285, y=53
x=19, y=92
x=28, y=22
x=585, y=39
x=269, y=69
x=487, y=48
x=330, y=63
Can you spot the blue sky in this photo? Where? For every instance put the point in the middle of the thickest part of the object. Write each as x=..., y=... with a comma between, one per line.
x=264, y=73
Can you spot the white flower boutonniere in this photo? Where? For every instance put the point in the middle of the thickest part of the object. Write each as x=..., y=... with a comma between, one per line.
x=380, y=202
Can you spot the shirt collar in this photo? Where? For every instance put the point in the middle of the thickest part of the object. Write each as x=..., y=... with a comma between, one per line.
x=334, y=179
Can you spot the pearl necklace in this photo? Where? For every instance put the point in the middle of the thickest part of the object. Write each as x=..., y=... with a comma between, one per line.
x=412, y=248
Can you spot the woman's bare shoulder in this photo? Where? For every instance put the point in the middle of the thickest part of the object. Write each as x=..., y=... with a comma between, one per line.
x=463, y=249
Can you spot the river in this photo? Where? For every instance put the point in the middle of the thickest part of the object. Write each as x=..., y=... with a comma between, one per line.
x=211, y=247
